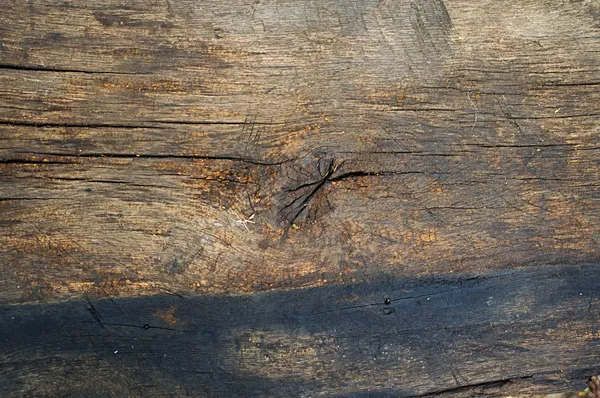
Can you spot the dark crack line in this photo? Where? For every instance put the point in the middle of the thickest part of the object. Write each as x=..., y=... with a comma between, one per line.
x=158, y=156
x=353, y=174
x=299, y=187
x=357, y=174
x=467, y=387
x=583, y=84
x=348, y=308
x=156, y=124
x=510, y=118
x=330, y=177
x=422, y=295
x=95, y=314
x=73, y=125
x=462, y=208
x=25, y=161
x=208, y=122
x=453, y=373
x=65, y=70
x=132, y=184
x=384, y=304
x=144, y=327
x=171, y=292
x=304, y=203
x=556, y=116
x=221, y=180
x=519, y=145
x=420, y=110
x=17, y=198
x=340, y=177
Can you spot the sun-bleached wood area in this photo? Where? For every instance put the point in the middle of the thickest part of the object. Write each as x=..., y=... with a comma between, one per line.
x=299, y=198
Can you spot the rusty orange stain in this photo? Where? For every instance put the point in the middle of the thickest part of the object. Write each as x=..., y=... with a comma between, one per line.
x=167, y=316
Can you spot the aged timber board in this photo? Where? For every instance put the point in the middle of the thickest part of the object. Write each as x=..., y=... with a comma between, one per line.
x=363, y=138
x=215, y=149
x=509, y=332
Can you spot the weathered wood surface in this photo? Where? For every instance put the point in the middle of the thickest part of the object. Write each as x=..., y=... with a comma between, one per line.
x=504, y=333
x=232, y=147
x=402, y=137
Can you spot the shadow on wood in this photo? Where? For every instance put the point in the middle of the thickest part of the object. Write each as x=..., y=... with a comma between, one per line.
x=533, y=330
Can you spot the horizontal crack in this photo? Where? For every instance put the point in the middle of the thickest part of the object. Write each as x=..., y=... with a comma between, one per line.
x=27, y=161
x=128, y=183
x=556, y=116
x=463, y=208
x=65, y=70
x=72, y=125
x=158, y=156
x=484, y=384
x=210, y=122
x=18, y=198
x=383, y=303
x=571, y=84
x=129, y=325
x=518, y=145
x=355, y=174
x=413, y=153
x=295, y=208
x=149, y=124
x=421, y=110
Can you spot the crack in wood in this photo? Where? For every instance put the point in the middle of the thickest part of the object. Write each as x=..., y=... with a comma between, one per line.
x=292, y=210
x=16, y=123
x=149, y=124
x=158, y=156
x=65, y=70
x=499, y=383
x=305, y=200
x=30, y=161
x=95, y=314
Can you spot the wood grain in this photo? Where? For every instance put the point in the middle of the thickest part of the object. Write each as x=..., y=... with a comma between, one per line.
x=505, y=333
x=199, y=153
x=367, y=138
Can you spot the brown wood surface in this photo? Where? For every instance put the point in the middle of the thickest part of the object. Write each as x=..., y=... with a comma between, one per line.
x=231, y=147
x=401, y=138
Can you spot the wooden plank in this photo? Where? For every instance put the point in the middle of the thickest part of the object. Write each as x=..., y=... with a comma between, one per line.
x=195, y=151
x=365, y=138
x=510, y=332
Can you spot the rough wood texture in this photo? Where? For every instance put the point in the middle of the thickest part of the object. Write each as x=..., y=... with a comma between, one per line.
x=401, y=137
x=230, y=147
x=506, y=333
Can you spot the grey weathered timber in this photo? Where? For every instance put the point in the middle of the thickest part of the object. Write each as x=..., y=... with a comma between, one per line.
x=509, y=332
